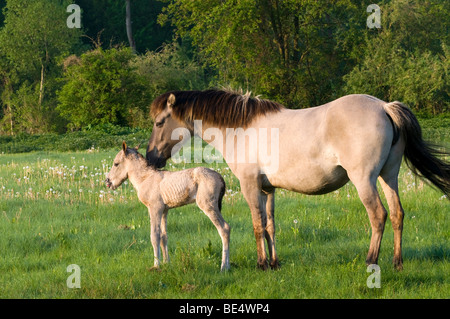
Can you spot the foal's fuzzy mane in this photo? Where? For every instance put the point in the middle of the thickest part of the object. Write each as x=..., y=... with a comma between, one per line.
x=138, y=156
x=222, y=108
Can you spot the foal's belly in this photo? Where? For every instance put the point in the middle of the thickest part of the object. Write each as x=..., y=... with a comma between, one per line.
x=177, y=189
x=313, y=181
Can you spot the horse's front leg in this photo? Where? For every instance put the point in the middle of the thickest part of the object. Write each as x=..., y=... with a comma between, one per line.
x=254, y=197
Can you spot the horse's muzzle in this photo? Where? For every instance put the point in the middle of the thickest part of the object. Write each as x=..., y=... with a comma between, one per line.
x=156, y=159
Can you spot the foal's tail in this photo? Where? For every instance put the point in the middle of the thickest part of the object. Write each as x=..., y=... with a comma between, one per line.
x=420, y=156
x=222, y=192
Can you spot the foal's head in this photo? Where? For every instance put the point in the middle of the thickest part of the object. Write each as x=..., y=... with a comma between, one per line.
x=121, y=166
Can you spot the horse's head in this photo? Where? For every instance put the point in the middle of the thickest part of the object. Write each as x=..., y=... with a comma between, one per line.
x=119, y=171
x=161, y=141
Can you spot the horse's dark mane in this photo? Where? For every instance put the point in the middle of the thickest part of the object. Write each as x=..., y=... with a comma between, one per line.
x=216, y=107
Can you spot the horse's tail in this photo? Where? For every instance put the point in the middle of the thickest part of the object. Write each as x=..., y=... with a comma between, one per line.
x=423, y=158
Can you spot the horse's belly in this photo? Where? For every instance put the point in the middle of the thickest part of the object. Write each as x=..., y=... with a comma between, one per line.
x=314, y=181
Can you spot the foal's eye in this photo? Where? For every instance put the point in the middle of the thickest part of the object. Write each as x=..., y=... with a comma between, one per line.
x=116, y=164
x=159, y=124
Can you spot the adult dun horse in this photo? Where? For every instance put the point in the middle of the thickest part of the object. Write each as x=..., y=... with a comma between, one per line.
x=356, y=137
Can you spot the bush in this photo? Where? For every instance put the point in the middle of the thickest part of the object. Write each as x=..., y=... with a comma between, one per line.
x=74, y=141
x=102, y=87
x=408, y=59
x=170, y=69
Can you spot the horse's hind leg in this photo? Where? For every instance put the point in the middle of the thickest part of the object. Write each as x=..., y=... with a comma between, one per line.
x=389, y=182
x=367, y=191
x=390, y=189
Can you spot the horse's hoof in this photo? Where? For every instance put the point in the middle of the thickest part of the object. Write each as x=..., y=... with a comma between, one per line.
x=398, y=266
x=275, y=265
x=263, y=266
x=154, y=268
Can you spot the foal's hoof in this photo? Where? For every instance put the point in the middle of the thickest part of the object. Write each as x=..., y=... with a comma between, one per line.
x=224, y=268
x=154, y=268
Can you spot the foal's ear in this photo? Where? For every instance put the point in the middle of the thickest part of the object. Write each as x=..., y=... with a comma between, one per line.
x=137, y=147
x=171, y=100
x=124, y=147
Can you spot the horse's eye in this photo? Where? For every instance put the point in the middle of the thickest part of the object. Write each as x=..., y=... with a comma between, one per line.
x=159, y=124
x=116, y=164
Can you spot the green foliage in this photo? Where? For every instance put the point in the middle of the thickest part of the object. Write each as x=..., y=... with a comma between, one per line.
x=103, y=137
x=115, y=86
x=34, y=37
x=104, y=21
x=298, y=52
x=102, y=87
x=35, y=33
x=277, y=48
x=408, y=59
x=171, y=68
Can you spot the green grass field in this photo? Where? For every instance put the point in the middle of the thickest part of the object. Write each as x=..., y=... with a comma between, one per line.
x=55, y=211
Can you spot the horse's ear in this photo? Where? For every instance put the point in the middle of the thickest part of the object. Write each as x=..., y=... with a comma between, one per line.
x=124, y=147
x=137, y=147
x=171, y=100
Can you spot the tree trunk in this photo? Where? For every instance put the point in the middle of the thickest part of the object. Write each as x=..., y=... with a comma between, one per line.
x=296, y=42
x=11, y=117
x=8, y=89
x=128, y=25
x=41, y=87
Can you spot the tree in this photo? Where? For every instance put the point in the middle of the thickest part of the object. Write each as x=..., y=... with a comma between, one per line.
x=129, y=28
x=34, y=37
x=408, y=58
x=294, y=51
x=109, y=16
x=168, y=69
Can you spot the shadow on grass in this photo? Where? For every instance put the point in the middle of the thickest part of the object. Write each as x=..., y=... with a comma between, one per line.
x=435, y=252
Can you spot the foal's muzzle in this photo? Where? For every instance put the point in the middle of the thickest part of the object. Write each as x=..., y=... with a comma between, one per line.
x=108, y=182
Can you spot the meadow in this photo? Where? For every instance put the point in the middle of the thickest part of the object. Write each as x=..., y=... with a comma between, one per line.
x=55, y=211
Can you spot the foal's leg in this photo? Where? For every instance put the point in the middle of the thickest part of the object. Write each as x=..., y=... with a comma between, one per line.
x=270, y=230
x=367, y=191
x=165, y=250
x=155, y=232
x=211, y=209
x=253, y=196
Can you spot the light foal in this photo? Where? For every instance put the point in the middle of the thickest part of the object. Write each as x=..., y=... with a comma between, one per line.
x=163, y=190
